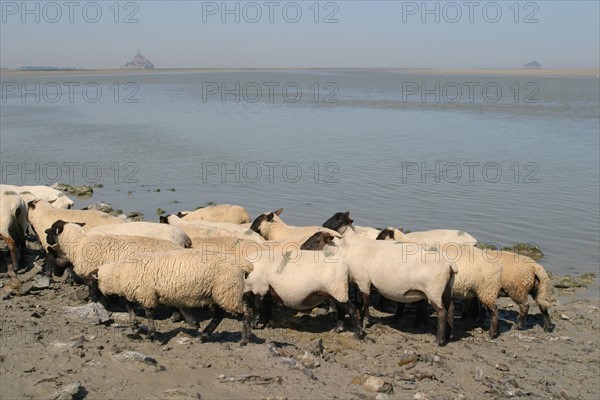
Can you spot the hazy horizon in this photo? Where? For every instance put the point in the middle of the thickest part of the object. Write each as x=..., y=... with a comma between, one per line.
x=351, y=34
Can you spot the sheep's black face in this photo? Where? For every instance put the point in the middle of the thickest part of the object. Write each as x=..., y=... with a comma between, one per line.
x=256, y=224
x=57, y=260
x=385, y=234
x=318, y=241
x=53, y=232
x=339, y=222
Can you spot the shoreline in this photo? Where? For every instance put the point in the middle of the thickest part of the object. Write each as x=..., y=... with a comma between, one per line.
x=566, y=72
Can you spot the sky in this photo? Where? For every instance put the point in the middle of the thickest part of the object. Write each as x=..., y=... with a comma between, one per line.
x=301, y=34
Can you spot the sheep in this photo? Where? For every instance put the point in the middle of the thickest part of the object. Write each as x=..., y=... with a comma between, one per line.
x=301, y=280
x=364, y=231
x=55, y=197
x=271, y=227
x=86, y=251
x=521, y=277
x=402, y=272
x=479, y=277
x=146, y=229
x=217, y=213
x=184, y=278
x=13, y=222
x=212, y=229
x=436, y=237
x=42, y=215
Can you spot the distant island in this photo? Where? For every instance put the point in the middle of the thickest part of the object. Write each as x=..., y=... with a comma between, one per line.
x=138, y=62
x=532, y=65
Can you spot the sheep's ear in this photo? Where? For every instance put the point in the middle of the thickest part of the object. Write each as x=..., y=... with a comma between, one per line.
x=347, y=214
x=51, y=201
x=80, y=223
x=31, y=204
x=270, y=216
x=278, y=212
x=329, y=238
x=181, y=215
x=401, y=230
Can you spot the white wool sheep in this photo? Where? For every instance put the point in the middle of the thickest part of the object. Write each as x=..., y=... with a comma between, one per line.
x=301, y=280
x=182, y=278
x=55, y=197
x=271, y=227
x=521, y=277
x=435, y=237
x=402, y=272
x=218, y=213
x=13, y=222
x=146, y=229
x=42, y=215
x=88, y=250
x=212, y=229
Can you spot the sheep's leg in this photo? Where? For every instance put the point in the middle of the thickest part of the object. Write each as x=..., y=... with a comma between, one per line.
x=548, y=326
x=448, y=306
x=421, y=313
x=247, y=320
x=216, y=320
x=523, y=310
x=151, y=326
x=131, y=311
x=493, y=332
x=442, y=316
x=349, y=308
x=189, y=318
x=176, y=315
x=341, y=314
x=12, y=249
x=366, y=318
x=399, y=311
x=96, y=295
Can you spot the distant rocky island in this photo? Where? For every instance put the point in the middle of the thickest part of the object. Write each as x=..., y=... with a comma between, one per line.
x=532, y=65
x=138, y=62
x=44, y=68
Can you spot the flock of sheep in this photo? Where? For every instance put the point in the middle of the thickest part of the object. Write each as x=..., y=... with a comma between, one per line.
x=216, y=255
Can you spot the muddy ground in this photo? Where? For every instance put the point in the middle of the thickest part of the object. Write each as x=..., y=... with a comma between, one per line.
x=46, y=352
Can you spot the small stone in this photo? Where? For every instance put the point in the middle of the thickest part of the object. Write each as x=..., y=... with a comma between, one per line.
x=407, y=358
x=376, y=384
x=91, y=312
x=479, y=374
x=135, y=356
x=26, y=288
x=179, y=394
x=42, y=282
x=67, y=392
x=502, y=367
x=316, y=347
x=567, y=282
x=563, y=316
x=420, y=396
x=160, y=211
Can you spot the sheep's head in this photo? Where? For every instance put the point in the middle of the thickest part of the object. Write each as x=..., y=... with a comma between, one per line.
x=318, y=241
x=339, y=222
x=263, y=220
x=390, y=234
x=57, y=260
x=181, y=215
x=56, y=229
x=164, y=220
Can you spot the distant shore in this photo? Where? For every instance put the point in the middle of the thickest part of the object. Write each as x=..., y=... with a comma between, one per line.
x=567, y=72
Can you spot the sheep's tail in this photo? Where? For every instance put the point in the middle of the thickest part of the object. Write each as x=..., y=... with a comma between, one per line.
x=541, y=292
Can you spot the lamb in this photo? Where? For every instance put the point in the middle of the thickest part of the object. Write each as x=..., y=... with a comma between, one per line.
x=271, y=227
x=181, y=278
x=217, y=213
x=212, y=229
x=521, y=277
x=86, y=251
x=301, y=280
x=401, y=272
x=13, y=222
x=147, y=229
x=55, y=197
x=436, y=237
x=42, y=215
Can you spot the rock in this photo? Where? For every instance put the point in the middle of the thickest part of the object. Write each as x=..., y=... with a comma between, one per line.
x=563, y=316
x=73, y=344
x=587, y=277
x=160, y=211
x=26, y=288
x=526, y=249
x=486, y=246
x=373, y=384
x=567, y=282
x=135, y=216
x=135, y=356
x=420, y=396
x=308, y=360
x=502, y=367
x=80, y=293
x=407, y=358
x=179, y=394
x=316, y=347
x=81, y=191
x=42, y=282
x=67, y=392
x=479, y=374
x=105, y=208
x=92, y=312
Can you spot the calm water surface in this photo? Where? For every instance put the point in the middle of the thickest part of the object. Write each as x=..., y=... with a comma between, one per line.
x=507, y=159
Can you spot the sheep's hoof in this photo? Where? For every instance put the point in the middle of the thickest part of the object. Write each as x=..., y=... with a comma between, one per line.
x=203, y=338
x=244, y=343
x=339, y=327
x=549, y=328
